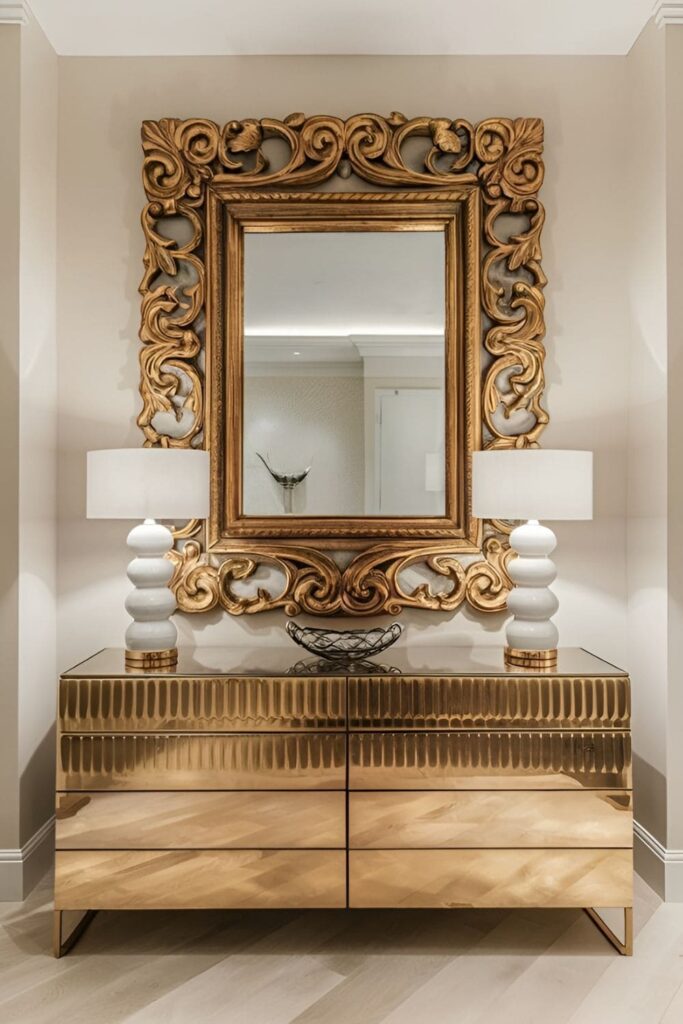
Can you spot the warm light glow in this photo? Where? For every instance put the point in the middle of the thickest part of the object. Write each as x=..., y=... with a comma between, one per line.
x=310, y=332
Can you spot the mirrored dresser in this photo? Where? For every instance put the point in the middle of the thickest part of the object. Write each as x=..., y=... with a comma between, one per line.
x=438, y=778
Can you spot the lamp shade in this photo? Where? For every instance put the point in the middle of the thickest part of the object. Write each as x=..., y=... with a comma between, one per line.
x=532, y=483
x=148, y=483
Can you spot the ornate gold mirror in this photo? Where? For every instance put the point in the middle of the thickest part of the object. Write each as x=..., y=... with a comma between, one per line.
x=342, y=312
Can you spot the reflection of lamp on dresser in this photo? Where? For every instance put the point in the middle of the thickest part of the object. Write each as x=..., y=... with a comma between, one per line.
x=149, y=484
x=532, y=484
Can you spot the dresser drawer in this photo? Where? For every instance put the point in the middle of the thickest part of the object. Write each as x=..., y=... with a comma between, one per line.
x=130, y=762
x=187, y=879
x=201, y=705
x=490, y=878
x=489, y=760
x=498, y=702
x=461, y=820
x=144, y=821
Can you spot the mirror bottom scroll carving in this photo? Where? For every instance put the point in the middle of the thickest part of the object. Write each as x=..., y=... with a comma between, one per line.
x=314, y=583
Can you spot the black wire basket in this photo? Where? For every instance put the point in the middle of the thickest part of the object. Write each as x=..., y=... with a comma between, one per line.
x=344, y=645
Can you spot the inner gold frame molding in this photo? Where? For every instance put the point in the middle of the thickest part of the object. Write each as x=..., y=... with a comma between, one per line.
x=489, y=172
x=231, y=215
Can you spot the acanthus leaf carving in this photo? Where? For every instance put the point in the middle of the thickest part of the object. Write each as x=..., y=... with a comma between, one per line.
x=503, y=158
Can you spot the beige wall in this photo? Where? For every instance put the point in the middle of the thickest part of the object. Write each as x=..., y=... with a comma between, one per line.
x=10, y=63
x=654, y=168
x=647, y=550
x=38, y=428
x=28, y=165
x=299, y=421
x=103, y=101
x=609, y=122
x=70, y=169
x=674, y=242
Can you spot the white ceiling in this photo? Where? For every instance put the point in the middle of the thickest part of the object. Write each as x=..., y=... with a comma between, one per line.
x=206, y=27
x=332, y=283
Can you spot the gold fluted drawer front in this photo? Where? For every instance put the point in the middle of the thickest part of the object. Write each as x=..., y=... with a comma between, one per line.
x=139, y=821
x=461, y=820
x=197, y=879
x=269, y=761
x=489, y=760
x=202, y=704
x=490, y=878
x=498, y=702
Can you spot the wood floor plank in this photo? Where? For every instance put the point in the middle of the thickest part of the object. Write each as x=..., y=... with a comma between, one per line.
x=122, y=964
x=336, y=967
x=674, y=1011
x=639, y=990
x=483, y=975
x=552, y=985
x=274, y=981
x=400, y=953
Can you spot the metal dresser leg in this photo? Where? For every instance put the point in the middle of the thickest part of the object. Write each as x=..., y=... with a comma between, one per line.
x=625, y=947
x=62, y=945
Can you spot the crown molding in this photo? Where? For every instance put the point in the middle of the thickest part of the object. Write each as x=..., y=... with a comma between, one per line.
x=13, y=13
x=668, y=12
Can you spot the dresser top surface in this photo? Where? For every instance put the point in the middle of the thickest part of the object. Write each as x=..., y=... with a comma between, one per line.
x=406, y=661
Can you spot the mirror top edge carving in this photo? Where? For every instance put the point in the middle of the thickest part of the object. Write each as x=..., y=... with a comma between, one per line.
x=192, y=164
x=503, y=155
x=223, y=188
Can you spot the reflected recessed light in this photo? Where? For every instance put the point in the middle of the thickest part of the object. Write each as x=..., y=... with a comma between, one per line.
x=297, y=353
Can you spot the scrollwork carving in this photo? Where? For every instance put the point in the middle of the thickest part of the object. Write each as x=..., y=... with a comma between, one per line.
x=182, y=159
x=314, y=583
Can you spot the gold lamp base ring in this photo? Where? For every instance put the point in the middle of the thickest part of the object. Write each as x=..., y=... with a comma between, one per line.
x=531, y=659
x=148, y=661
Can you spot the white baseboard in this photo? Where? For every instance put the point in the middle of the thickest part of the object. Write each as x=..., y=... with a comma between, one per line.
x=661, y=868
x=20, y=869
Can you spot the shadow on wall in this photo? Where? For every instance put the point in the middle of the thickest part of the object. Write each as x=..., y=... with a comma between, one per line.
x=36, y=805
x=121, y=128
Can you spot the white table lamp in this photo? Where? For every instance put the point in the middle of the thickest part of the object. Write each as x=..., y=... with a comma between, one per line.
x=149, y=484
x=532, y=484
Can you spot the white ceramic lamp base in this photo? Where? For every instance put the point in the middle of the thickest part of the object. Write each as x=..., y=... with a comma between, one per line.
x=151, y=637
x=531, y=635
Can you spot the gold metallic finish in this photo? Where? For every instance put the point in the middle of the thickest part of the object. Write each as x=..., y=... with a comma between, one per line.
x=199, y=879
x=369, y=585
x=446, y=212
x=490, y=760
x=166, y=762
x=490, y=790
x=531, y=659
x=207, y=704
x=191, y=169
x=62, y=942
x=148, y=661
x=138, y=821
x=624, y=947
x=487, y=820
x=422, y=662
x=490, y=878
x=496, y=702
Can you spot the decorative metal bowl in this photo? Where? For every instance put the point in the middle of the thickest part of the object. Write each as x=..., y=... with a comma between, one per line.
x=344, y=645
x=323, y=666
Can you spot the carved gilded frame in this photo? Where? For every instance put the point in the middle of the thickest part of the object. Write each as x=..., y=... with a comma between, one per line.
x=192, y=167
x=230, y=214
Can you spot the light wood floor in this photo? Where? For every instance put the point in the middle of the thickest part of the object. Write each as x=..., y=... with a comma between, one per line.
x=323, y=967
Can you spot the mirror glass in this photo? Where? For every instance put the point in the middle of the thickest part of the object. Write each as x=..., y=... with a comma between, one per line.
x=344, y=366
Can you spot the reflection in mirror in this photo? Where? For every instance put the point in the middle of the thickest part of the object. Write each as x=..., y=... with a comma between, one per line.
x=344, y=373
